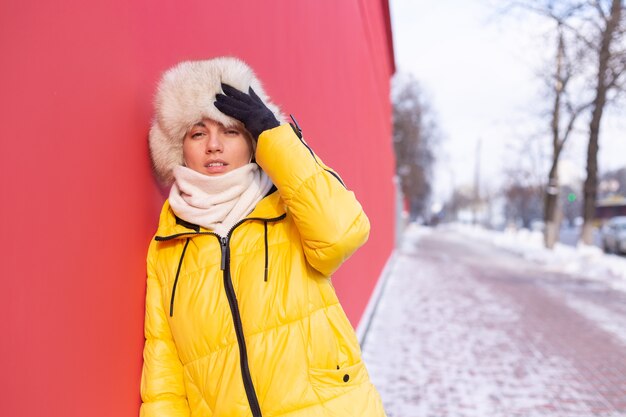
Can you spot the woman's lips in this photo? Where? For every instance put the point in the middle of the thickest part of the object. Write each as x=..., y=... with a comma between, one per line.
x=216, y=167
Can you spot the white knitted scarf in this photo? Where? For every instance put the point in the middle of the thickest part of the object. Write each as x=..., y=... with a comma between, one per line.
x=217, y=202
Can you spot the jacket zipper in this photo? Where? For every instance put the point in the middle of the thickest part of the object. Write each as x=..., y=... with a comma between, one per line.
x=234, y=306
x=234, y=309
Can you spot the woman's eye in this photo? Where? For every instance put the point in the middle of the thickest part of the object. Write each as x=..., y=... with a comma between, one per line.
x=232, y=132
x=197, y=134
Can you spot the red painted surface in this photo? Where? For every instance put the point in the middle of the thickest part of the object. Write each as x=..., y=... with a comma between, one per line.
x=79, y=202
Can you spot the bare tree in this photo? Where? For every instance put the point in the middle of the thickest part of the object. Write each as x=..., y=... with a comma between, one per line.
x=524, y=178
x=611, y=66
x=414, y=136
x=523, y=186
x=522, y=203
x=564, y=115
x=566, y=107
x=594, y=28
x=462, y=198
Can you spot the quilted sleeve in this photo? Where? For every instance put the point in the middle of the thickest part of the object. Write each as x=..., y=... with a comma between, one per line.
x=162, y=385
x=330, y=220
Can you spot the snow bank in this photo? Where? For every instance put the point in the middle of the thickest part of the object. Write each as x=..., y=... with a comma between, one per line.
x=582, y=261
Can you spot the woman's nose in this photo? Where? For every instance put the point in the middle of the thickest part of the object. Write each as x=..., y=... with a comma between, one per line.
x=213, y=144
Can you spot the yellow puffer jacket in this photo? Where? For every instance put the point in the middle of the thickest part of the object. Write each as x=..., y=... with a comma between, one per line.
x=249, y=324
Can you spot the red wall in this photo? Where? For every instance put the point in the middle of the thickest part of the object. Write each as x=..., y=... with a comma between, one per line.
x=79, y=204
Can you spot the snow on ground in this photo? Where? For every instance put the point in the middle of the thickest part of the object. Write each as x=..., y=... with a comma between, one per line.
x=602, y=316
x=582, y=261
x=447, y=341
x=451, y=347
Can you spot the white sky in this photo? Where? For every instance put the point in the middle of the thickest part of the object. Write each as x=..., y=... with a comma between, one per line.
x=478, y=70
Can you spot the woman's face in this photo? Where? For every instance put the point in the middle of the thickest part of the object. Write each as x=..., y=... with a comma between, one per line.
x=212, y=149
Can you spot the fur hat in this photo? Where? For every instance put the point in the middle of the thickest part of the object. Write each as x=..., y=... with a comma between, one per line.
x=185, y=95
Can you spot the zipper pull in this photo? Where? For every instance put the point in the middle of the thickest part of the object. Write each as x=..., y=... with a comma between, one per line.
x=224, y=246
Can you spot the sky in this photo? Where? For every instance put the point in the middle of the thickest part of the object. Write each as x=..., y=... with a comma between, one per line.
x=478, y=70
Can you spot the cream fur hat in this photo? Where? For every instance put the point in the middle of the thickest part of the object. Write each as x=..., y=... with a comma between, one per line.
x=185, y=95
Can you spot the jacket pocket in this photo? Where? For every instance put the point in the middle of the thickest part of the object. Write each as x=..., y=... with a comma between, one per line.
x=336, y=378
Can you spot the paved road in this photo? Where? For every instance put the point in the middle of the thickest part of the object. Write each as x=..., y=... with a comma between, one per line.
x=466, y=330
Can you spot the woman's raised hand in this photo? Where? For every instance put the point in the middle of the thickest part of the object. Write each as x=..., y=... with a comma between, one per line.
x=249, y=109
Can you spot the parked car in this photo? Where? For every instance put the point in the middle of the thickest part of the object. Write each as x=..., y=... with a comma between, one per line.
x=614, y=235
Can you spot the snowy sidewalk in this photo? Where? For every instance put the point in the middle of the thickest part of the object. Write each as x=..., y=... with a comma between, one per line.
x=466, y=329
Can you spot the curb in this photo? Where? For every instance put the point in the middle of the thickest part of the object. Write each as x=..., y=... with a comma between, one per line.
x=370, y=310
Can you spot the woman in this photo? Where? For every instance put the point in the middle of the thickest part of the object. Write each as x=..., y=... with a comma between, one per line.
x=241, y=317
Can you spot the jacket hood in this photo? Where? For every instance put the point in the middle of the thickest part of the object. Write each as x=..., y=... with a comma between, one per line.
x=185, y=95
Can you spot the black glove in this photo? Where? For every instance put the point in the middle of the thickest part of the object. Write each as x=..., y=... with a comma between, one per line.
x=248, y=109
